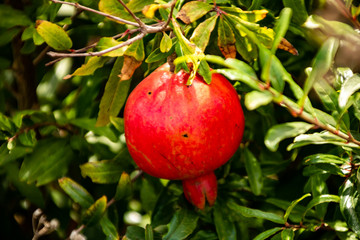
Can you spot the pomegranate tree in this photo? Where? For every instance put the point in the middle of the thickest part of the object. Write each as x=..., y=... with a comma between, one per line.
x=184, y=132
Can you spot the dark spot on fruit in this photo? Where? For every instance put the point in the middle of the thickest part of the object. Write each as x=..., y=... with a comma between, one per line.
x=149, y=93
x=171, y=117
x=185, y=135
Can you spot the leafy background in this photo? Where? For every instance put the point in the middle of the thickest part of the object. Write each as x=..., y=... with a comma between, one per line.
x=295, y=175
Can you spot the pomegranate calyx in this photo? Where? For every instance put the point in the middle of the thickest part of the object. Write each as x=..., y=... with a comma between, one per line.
x=200, y=190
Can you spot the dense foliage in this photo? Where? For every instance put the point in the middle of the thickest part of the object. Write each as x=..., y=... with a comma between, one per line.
x=293, y=63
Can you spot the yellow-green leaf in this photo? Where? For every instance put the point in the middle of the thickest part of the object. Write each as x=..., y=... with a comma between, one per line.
x=202, y=32
x=165, y=44
x=108, y=42
x=193, y=10
x=89, y=67
x=94, y=213
x=54, y=35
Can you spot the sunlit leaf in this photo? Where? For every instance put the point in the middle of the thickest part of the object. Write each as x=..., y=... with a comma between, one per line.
x=280, y=132
x=293, y=204
x=250, y=16
x=114, y=8
x=54, y=35
x=324, y=158
x=349, y=201
x=256, y=99
x=202, y=32
x=349, y=86
x=89, y=124
x=165, y=44
x=105, y=171
x=281, y=27
x=193, y=10
x=90, y=66
x=326, y=198
x=287, y=234
x=76, y=192
x=108, y=42
x=95, y=212
x=124, y=187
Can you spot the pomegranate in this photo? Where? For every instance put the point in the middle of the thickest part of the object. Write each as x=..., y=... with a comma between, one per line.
x=184, y=132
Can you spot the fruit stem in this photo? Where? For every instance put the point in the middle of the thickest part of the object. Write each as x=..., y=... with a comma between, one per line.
x=201, y=189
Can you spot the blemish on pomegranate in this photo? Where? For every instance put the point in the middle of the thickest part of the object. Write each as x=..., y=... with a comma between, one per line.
x=149, y=93
x=185, y=135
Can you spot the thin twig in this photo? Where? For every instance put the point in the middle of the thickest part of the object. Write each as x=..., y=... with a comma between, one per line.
x=97, y=12
x=100, y=53
x=141, y=24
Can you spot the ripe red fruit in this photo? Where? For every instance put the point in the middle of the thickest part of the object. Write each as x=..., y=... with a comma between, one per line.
x=181, y=132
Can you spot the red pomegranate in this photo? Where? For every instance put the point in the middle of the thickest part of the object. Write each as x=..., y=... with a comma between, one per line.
x=180, y=132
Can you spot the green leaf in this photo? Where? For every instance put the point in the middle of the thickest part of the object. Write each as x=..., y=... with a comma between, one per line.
x=118, y=123
x=165, y=43
x=321, y=64
x=114, y=8
x=149, y=232
x=28, y=138
x=29, y=191
x=124, y=187
x=8, y=35
x=256, y=99
x=349, y=200
x=49, y=160
x=7, y=155
x=193, y=10
x=105, y=171
x=182, y=224
x=318, y=187
x=157, y=55
x=76, y=192
x=226, y=39
x=325, y=158
x=116, y=91
x=320, y=138
x=90, y=66
x=54, y=35
x=109, y=229
x=225, y=228
x=136, y=50
x=249, y=212
x=249, y=16
x=148, y=193
x=287, y=234
x=205, y=71
x=325, y=198
x=202, y=32
x=95, y=212
x=89, y=124
x=6, y=124
x=268, y=233
x=299, y=10
x=280, y=132
x=135, y=233
x=253, y=170
x=11, y=17
x=349, y=86
x=281, y=27
x=108, y=42
x=138, y=5
x=293, y=204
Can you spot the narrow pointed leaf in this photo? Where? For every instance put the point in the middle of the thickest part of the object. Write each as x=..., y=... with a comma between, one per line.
x=54, y=35
x=253, y=170
x=124, y=187
x=182, y=224
x=321, y=64
x=166, y=43
x=193, y=10
x=326, y=198
x=225, y=228
x=95, y=212
x=324, y=158
x=267, y=233
x=202, y=32
x=108, y=42
x=293, y=204
x=249, y=16
x=249, y=212
x=280, y=132
x=109, y=229
x=287, y=234
x=90, y=66
x=76, y=192
x=281, y=27
x=226, y=39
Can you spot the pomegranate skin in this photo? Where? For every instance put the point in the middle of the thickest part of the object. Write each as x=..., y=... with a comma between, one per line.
x=178, y=132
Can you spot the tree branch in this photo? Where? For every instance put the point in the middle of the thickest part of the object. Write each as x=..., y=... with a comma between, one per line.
x=97, y=12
